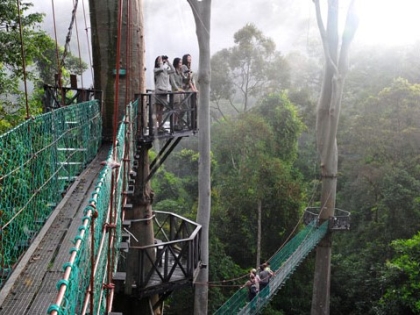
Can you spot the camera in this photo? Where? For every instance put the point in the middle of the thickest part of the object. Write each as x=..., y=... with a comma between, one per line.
x=164, y=57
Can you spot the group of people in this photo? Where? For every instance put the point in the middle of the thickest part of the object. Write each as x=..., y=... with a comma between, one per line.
x=172, y=77
x=258, y=280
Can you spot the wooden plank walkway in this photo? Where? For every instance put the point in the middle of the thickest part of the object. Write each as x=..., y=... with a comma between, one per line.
x=31, y=288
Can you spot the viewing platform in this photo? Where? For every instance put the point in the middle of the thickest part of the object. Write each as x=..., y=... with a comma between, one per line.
x=177, y=109
x=339, y=222
x=172, y=262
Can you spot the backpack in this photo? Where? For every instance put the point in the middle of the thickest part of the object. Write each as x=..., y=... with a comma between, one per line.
x=253, y=289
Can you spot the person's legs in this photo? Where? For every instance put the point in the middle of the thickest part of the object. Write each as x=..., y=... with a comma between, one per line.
x=159, y=116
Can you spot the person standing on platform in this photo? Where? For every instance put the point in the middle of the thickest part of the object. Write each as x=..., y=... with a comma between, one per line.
x=177, y=82
x=162, y=71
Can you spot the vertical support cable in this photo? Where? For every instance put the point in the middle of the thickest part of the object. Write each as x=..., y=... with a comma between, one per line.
x=58, y=83
x=78, y=43
x=88, y=42
x=22, y=52
x=92, y=258
x=128, y=49
x=115, y=125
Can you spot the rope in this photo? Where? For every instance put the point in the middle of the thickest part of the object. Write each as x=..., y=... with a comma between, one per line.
x=56, y=50
x=68, y=37
x=78, y=45
x=128, y=54
x=88, y=41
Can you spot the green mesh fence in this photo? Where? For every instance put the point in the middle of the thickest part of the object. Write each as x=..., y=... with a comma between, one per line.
x=112, y=181
x=38, y=160
x=283, y=263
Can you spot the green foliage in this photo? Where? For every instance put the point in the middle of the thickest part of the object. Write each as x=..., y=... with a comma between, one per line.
x=246, y=71
x=379, y=184
x=402, y=295
x=38, y=49
x=176, y=184
x=47, y=65
x=251, y=168
x=282, y=115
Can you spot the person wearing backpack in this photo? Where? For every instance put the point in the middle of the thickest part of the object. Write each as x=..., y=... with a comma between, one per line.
x=252, y=286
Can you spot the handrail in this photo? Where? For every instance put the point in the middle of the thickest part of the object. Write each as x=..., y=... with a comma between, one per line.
x=283, y=264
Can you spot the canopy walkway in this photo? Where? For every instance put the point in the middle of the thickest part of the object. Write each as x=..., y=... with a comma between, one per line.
x=41, y=158
x=283, y=263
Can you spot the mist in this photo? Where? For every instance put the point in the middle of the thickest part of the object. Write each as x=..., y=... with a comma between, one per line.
x=170, y=27
x=80, y=39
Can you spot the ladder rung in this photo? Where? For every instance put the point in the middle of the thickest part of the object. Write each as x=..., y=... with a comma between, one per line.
x=128, y=206
x=69, y=163
x=71, y=149
x=123, y=246
x=67, y=177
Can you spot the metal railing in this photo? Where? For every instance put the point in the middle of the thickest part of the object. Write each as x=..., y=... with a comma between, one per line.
x=177, y=109
x=339, y=222
x=174, y=258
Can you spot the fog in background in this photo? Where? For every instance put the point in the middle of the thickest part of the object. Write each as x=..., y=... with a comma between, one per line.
x=79, y=39
x=170, y=26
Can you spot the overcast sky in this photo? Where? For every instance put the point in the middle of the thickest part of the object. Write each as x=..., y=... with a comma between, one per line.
x=170, y=26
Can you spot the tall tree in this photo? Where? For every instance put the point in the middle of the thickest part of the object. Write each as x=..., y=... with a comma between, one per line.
x=248, y=70
x=20, y=39
x=202, y=12
x=47, y=65
x=255, y=153
x=328, y=111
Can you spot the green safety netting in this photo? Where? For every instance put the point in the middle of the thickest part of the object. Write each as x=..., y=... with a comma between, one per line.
x=283, y=263
x=38, y=160
x=77, y=283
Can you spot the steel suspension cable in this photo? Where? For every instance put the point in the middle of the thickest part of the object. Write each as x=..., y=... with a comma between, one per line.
x=113, y=199
x=128, y=44
x=88, y=41
x=70, y=29
x=78, y=45
x=58, y=82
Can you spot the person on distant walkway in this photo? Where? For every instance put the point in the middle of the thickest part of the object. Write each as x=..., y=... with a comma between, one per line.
x=252, y=286
x=162, y=87
x=265, y=275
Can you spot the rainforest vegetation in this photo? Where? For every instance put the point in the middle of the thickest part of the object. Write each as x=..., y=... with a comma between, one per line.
x=263, y=153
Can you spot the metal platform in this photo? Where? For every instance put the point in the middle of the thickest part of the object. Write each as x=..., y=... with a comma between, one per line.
x=339, y=222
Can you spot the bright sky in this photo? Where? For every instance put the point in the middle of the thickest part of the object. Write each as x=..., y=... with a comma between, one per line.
x=170, y=29
x=392, y=22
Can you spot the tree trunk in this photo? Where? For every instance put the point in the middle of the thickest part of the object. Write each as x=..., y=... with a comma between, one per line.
x=328, y=112
x=104, y=20
x=106, y=16
x=202, y=11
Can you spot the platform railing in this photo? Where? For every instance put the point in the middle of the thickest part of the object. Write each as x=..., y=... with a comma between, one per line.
x=179, y=114
x=339, y=222
x=174, y=258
